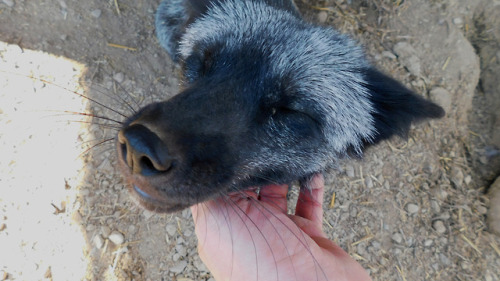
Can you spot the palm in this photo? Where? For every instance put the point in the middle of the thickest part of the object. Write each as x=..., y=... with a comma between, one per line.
x=243, y=237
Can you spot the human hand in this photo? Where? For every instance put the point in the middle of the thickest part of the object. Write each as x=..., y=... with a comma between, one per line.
x=250, y=236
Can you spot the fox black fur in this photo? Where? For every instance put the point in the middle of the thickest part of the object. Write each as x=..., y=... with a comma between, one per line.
x=267, y=98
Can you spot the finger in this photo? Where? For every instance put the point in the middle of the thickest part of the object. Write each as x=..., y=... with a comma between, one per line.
x=309, y=227
x=275, y=195
x=310, y=202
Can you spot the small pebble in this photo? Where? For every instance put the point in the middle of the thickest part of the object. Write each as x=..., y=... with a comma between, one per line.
x=178, y=268
x=428, y=242
x=389, y=55
x=442, y=97
x=412, y=208
x=368, y=182
x=444, y=259
x=493, y=217
x=467, y=179
x=445, y=215
x=116, y=237
x=119, y=77
x=105, y=231
x=98, y=241
x=90, y=227
x=171, y=229
x=353, y=212
x=198, y=264
x=482, y=210
x=349, y=170
x=438, y=225
x=458, y=21
x=181, y=249
x=408, y=57
x=322, y=16
x=398, y=238
x=96, y=13
x=9, y=3
x=63, y=4
x=132, y=229
x=457, y=176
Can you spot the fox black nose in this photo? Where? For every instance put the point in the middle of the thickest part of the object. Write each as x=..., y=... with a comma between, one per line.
x=143, y=151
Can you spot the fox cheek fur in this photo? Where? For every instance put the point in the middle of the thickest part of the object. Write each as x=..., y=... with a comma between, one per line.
x=267, y=98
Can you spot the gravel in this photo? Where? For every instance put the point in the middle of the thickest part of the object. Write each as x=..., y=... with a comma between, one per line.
x=412, y=208
x=438, y=225
x=116, y=237
x=179, y=267
x=408, y=57
x=442, y=97
x=397, y=237
x=96, y=13
x=494, y=211
x=171, y=230
x=98, y=241
x=9, y=3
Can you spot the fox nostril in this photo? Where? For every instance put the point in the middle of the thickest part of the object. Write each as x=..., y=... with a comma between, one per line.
x=143, y=150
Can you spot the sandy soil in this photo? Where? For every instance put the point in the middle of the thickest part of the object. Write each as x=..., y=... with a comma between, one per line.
x=410, y=210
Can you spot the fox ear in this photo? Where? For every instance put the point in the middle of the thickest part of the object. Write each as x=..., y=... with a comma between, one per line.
x=395, y=107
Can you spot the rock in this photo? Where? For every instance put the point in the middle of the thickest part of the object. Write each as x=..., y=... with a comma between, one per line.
x=98, y=241
x=322, y=16
x=368, y=182
x=493, y=216
x=428, y=242
x=389, y=55
x=116, y=237
x=412, y=208
x=105, y=231
x=188, y=233
x=458, y=21
x=63, y=4
x=408, y=57
x=444, y=259
x=9, y=3
x=349, y=170
x=198, y=264
x=397, y=237
x=467, y=179
x=171, y=230
x=181, y=249
x=457, y=177
x=353, y=212
x=442, y=97
x=438, y=225
x=119, y=77
x=435, y=206
x=96, y=13
x=482, y=210
x=179, y=267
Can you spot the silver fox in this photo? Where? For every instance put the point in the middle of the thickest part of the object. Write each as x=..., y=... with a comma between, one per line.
x=267, y=98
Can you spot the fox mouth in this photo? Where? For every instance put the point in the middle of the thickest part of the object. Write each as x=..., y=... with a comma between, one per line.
x=142, y=193
x=154, y=203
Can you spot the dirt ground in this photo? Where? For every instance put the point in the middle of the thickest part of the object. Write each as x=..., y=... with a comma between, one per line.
x=412, y=209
